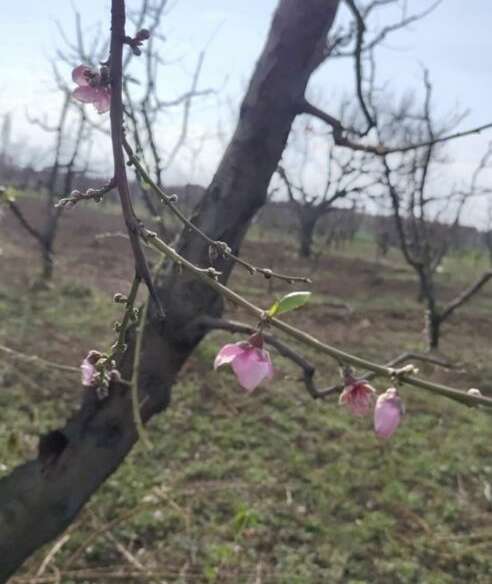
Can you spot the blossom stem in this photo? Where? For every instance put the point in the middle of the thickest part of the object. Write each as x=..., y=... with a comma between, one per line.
x=119, y=347
x=137, y=418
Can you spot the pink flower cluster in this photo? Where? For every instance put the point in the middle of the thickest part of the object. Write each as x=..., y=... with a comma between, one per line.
x=93, y=87
x=359, y=397
x=252, y=365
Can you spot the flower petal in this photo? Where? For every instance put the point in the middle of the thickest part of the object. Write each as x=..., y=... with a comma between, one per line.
x=268, y=361
x=387, y=413
x=358, y=397
x=88, y=372
x=103, y=103
x=251, y=367
x=86, y=94
x=227, y=354
x=80, y=75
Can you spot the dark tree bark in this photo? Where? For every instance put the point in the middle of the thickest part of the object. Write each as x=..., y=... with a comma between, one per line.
x=433, y=331
x=308, y=219
x=39, y=499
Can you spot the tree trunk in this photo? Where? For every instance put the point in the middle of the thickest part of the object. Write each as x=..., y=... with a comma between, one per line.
x=39, y=499
x=48, y=242
x=307, y=226
x=421, y=293
x=433, y=317
x=433, y=330
x=47, y=264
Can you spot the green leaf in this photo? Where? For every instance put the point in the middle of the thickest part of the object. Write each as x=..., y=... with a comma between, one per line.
x=289, y=302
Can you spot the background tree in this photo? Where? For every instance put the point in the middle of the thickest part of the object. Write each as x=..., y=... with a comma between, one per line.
x=70, y=144
x=324, y=175
x=426, y=218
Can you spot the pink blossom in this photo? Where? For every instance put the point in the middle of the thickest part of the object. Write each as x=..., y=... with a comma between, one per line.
x=88, y=368
x=249, y=361
x=357, y=396
x=91, y=88
x=387, y=413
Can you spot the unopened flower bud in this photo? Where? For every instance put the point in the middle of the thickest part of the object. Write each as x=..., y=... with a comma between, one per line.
x=120, y=298
x=213, y=273
x=387, y=413
x=357, y=395
x=93, y=356
x=142, y=35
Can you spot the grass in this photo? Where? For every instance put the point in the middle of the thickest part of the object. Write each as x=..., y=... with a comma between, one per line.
x=271, y=487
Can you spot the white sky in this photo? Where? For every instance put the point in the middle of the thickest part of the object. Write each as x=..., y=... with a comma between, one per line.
x=454, y=43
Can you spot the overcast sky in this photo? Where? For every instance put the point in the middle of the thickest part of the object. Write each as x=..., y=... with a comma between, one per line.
x=454, y=43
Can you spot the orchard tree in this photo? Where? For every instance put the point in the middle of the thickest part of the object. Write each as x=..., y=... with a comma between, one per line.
x=320, y=175
x=426, y=214
x=126, y=386
x=69, y=158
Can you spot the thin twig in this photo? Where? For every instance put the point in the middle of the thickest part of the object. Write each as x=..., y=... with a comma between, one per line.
x=340, y=356
x=407, y=356
x=135, y=375
x=379, y=149
x=90, y=194
x=116, y=115
x=52, y=553
x=220, y=247
x=119, y=347
x=34, y=359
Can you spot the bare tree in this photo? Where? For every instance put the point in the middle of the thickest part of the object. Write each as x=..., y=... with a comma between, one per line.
x=58, y=179
x=343, y=225
x=426, y=220
x=340, y=175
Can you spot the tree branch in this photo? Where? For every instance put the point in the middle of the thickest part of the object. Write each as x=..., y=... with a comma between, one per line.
x=342, y=357
x=341, y=139
x=19, y=215
x=120, y=177
x=359, y=42
x=219, y=247
x=465, y=296
x=308, y=370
